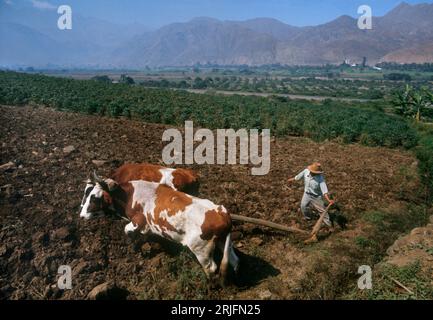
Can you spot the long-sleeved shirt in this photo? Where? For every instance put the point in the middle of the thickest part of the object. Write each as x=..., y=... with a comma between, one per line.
x=313, y=185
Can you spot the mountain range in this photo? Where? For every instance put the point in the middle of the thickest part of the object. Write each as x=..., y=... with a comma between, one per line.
x=30, y=37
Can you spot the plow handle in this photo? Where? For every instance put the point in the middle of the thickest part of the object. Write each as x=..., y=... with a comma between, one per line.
x=318, y=224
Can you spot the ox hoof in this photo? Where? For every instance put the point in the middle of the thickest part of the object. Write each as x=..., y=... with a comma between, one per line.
x=212, y=283
x=223, y=283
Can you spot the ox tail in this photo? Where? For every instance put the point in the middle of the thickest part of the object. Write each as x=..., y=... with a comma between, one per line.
x=225, y=260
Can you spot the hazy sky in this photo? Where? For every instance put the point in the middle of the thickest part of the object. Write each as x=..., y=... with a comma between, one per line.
x=155, y=13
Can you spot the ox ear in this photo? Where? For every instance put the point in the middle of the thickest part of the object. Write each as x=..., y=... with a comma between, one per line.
x=98, y=180
x=112, y=185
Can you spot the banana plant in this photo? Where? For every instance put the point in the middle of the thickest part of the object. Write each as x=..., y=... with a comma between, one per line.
x=403, y=101
x=429, y=98
x=429, y=95
x=413, y=103
x=419, y=103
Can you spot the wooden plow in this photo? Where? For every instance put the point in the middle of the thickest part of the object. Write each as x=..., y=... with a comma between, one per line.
x=269, y=224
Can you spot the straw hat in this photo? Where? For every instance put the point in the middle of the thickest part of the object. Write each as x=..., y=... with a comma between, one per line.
x=315, y=168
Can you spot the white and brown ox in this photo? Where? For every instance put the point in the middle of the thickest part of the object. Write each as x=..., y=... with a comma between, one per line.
x=156, y=208
x=184, y=180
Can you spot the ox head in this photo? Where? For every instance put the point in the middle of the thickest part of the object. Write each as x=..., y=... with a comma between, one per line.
x=97, y=198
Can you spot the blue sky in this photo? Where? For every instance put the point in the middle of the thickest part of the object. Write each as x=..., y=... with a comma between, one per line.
x=155, y=13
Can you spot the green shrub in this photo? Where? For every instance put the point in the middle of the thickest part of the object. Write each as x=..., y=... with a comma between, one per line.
x=424, y=154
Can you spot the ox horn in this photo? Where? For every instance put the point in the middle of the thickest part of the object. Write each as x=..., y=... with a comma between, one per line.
x=100, y=181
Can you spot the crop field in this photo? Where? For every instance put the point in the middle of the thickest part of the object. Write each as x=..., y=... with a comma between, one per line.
x=319, y=121
x=334, y=83
x=342, y=88
x=41, y=228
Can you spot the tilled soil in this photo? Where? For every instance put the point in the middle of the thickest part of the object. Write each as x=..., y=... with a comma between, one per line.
x=42, y=189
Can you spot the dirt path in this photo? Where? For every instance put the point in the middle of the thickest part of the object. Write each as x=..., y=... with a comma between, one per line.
x=40, y=195
x=265, y=94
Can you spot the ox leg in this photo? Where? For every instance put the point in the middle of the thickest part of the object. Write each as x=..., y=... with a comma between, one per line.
x=145, y=231
x=130, y=229
x=133, y=231
x=136, y=235
x=204, y=256
x=233, y=259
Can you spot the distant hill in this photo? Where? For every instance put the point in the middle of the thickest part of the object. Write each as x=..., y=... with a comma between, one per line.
x=32, y=37
x=24, y=44
x=418, y=54
x=403, y=35
x=200, y=40
x=272, y=27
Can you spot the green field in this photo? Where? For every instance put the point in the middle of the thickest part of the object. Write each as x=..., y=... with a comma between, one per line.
x=346, y=122
x=316, y=81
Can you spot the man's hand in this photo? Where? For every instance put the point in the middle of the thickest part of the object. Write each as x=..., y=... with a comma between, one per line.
x=330, y=201
x=291, y=180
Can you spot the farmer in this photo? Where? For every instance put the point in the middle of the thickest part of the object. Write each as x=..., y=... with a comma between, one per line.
x=314, y=191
